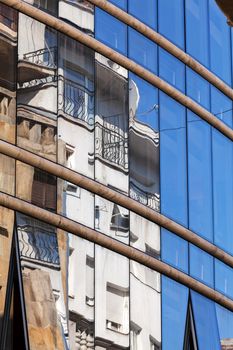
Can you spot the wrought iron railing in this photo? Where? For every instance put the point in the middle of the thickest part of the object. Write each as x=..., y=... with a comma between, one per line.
x=38, y=244
x=76, y=101
x=112, y=144
x=46, y=57
x=146, y=198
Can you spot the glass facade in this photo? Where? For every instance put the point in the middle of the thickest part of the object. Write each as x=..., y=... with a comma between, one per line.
x=121, y=279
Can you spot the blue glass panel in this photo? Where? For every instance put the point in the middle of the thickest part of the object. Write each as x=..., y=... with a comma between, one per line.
x=201, y=265
x=120, y=3
x=223, y=278
x=220, y=43
x=173, y=175
x=142, y=50
x=174, y=250
x=144, y=98
x=225, y=324
x=200, y=176
x=171, y=20
x=110, y=31
x=174, y=310
x=221, y=106
x=222, y=190
x=145, y=10
x=171, y=69
x=205, y=320
x=197, y=41
x=198, y=88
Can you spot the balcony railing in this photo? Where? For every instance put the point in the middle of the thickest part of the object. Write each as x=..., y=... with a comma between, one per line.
x=46, y=57
x=146, y=198
x=76, y=101
x=112, y=144
x=38, y=245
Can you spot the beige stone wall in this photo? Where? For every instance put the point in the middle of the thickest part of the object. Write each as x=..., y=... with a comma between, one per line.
x=43, y=324
x=6, y=231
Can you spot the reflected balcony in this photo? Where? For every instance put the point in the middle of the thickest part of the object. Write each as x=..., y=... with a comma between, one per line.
x=146, y=198
x=111, y=142
x=38, y=245
x=227, y=8
x=76, y=101
x=38, y=67
x=79, y=12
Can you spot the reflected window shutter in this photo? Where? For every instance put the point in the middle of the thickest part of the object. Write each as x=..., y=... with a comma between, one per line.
x=50, y=196
x=38, y=193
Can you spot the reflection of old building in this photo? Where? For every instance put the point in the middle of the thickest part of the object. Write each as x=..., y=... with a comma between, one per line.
x=8, y=51
x=144, y=181
x=8, y=41
x=79, y=12
x=92, y=281
x=227, y=344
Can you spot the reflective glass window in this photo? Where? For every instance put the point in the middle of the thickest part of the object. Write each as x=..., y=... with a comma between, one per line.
x=110, y=31
x=120, y=3
x=225, y=325
x=111, y=125
x=220, y=43
x=205, y=322
x=201, y=265
x=40, y=188
x=171, y=69
x=79, y=12
x=7, y=218
x=42, y=270
x=142, y=50
x=222, y=190
x=144, y=235
x=197, y=38
x=76, y=106
x=145, y=11
x=223, y=278
x=173, y=175
x=198, y=88
x=111, y=299
x=200, y=176
x=171, y=20
x=49, y=6
x=112, y=219
x=144, y=142
x=174, y=310
x=221, y=106
x=37, y=69
x=174, y=250
x=8, y=37
x=145, y=317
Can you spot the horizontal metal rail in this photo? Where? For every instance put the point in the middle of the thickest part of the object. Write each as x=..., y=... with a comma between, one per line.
x=165, y=44
x=125, y=62
x=116, y=197
x=114, y=245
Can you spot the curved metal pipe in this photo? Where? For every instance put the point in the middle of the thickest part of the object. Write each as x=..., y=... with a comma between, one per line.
x=114, y=245
x=113, y=196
